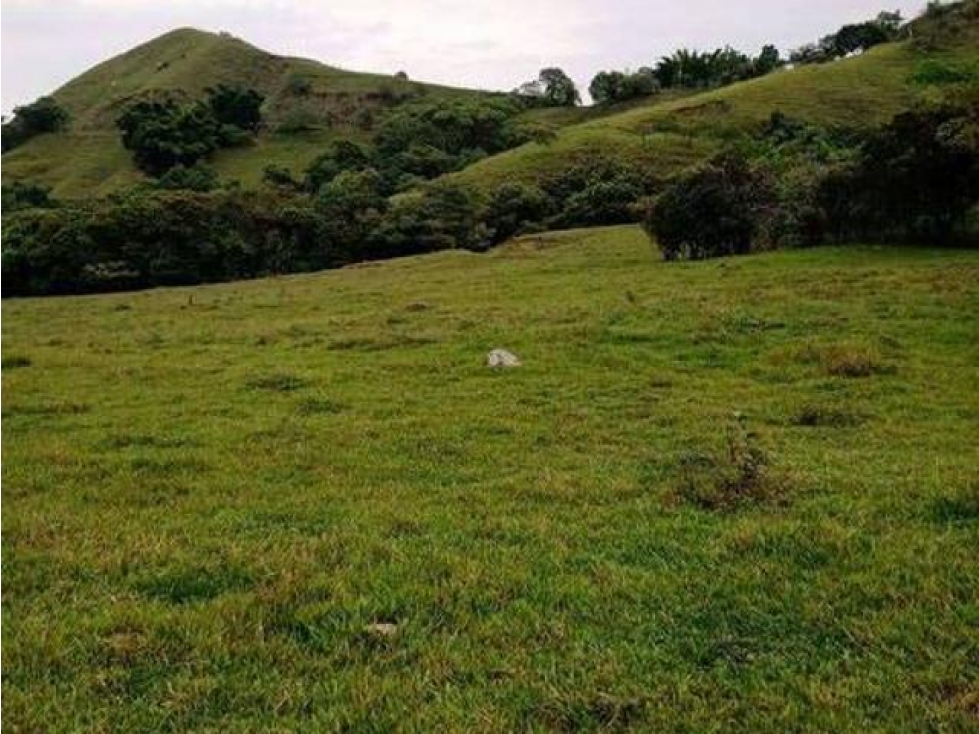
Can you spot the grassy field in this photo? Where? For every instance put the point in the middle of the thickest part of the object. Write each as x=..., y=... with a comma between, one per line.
x=215, y=495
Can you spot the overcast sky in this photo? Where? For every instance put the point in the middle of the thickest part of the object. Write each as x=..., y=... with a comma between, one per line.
x=494, y=44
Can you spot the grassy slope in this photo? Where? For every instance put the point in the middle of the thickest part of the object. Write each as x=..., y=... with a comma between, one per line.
x=90, y=157
x=211, y=492
x=857, y=92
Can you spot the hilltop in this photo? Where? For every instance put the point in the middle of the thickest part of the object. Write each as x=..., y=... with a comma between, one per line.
x=307, y=104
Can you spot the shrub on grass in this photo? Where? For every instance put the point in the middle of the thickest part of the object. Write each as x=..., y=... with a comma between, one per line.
x=844, y=360
x=277, y=382
x=714, y=211
x=740, y=474
x=15, y=361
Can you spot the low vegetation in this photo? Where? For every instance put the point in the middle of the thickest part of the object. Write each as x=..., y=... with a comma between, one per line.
x=306, y=503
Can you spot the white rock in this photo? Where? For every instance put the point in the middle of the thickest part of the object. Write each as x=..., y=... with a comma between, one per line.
x=501, y=358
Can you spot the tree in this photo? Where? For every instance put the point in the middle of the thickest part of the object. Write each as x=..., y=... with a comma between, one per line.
x=553, y=88
x=917, y=177
x=42, y=116
x=514, y=205
x=26, y=195
x=236, y=106
x=351, y=207
x=164, y=134
x=606, y=86
x=617, y=86
x=340, y=155
x=768, y=61
x=712, y=212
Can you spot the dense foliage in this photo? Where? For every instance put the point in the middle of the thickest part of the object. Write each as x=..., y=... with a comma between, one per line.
x=852, y=38
x=42, y=116
x=714, y=211
x=552, y=88
x=165, y=133
x=915, y=179
x=618, y=86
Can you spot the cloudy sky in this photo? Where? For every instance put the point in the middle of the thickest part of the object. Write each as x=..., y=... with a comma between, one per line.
x=492, y=44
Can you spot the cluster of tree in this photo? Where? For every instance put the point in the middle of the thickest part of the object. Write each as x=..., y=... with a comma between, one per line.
x=915, y=179
x=21, y=195
x=699, y=70
x=551, y=88
x=42, y=116
x=619, y=86
x=421, y=141
x=684, y=69
x=163, y=134
x=178, y=231
x=855, y=37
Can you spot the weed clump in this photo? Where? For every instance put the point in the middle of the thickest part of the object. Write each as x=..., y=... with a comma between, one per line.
x=277, y=382
x=740, y=474
x=814, y=415
x=15, y=361
x=851, y=361
x=320, y=406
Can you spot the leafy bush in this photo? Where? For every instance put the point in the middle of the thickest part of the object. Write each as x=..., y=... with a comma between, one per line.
x=236, y=107
x=42, y=116
x=196, y=178
x=513, y=206
x=26, y=195
x=150, y=237
x=740, y=474
x=341, y=155
x=442, y=216
x=712, y=212
x=916, y=178
x=164, y=134
x=617, y=86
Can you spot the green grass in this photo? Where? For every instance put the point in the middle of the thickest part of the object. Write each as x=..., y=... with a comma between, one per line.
x=671, y=134
x=216, y=495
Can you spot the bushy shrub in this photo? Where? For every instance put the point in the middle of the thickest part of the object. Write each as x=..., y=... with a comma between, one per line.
x=26, y=195
x=617, y=86
x=149, y=237
x=163, y=134
x=42, y=116
x=514, y=206
x=195, y=178
x=340, y=155
x=739, y=474
x=915, y=178
x=443, y=215
x=351, y=207
x=713, y=211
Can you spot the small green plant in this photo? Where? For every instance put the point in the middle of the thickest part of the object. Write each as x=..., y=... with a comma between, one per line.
x=14, y=361
x=741, y=473
x=851, y=361
x=320, y=406
x=277, y=382
x=812, y=415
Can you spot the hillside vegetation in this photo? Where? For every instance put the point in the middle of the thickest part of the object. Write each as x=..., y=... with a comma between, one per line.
x=325, y=101
x=860, y=92
x=735, y=495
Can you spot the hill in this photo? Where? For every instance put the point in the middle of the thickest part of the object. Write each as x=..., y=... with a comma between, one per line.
x=215, y=495
x=858, y=93
x=325, y=101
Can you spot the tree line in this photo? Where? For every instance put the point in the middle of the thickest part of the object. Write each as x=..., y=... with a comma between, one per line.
x=788, y=185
